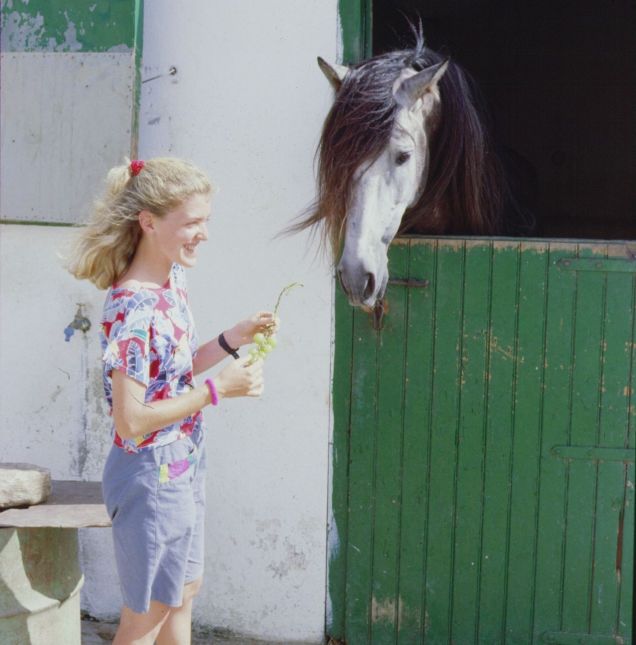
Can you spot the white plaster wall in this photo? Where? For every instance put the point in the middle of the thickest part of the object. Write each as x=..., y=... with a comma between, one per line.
x=65, y=158
x=247, y=105
x=52, y=408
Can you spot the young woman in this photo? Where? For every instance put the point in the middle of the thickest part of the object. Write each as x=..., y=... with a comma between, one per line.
x=143, y=234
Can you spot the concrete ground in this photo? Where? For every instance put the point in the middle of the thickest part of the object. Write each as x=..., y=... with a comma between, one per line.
x=96, y=632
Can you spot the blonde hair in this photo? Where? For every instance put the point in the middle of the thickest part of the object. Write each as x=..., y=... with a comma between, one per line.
x=106, y=245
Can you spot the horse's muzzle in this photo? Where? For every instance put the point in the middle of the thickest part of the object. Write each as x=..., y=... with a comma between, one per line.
x=361, y=287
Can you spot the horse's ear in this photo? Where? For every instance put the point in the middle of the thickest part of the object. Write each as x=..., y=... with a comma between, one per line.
x=335, y=73
x=409, y=90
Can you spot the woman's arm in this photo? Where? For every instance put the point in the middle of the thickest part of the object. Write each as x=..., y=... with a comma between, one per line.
x=134, y=417
x=211, y=353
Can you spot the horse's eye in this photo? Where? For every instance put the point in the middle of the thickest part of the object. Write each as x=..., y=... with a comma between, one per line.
x=402, y=158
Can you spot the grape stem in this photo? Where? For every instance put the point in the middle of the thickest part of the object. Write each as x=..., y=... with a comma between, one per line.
x=267, y=333
x=289, y=287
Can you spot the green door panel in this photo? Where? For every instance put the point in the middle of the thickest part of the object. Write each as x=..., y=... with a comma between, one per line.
x=483, y=455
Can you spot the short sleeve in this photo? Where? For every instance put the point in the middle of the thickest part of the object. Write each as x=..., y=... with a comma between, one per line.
x=128, y=341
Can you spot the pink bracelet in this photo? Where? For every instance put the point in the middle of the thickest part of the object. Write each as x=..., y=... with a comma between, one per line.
x=214, y=395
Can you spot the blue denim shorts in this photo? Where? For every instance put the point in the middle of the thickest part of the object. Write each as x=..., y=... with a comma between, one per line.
x=156, y=501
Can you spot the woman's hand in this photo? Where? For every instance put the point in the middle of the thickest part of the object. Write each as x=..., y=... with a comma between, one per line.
x=242, y=332
x=239, y=379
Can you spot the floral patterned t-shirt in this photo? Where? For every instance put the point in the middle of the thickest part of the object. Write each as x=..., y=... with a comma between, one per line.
x=148, y=334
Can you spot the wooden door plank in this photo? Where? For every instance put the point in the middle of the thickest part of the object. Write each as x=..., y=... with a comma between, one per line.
x=582, y=475
x=388, y=458
x=444, y=428
x=626, y=602
x=470, y=451
x=556, y=424
x=498, y=442
x=614, y=419
x=416, y=451
x=626, y=606
x=362, y=443
x=338, y=519
x=526, y=441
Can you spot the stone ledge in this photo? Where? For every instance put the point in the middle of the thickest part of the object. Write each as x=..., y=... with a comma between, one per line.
x=71, y=505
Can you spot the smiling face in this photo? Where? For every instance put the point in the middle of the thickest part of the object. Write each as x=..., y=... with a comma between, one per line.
x=176, y=235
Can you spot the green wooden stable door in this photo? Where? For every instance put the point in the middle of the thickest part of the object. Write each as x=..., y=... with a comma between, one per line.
x=483, y=463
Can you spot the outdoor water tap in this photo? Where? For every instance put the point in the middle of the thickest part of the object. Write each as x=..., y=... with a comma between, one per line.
x=80, y=322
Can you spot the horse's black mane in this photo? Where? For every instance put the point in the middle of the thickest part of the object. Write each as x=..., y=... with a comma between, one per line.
x=361, y=119
x=465, y=190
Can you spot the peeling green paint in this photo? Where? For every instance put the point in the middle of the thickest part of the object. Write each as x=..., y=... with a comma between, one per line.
x=63, y=26
x=138, y=45
x=355, y=22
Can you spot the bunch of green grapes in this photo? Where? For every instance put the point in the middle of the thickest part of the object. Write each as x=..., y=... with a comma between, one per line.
x=266, y=341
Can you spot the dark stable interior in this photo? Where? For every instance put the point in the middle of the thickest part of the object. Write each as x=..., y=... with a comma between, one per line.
x=559, y=81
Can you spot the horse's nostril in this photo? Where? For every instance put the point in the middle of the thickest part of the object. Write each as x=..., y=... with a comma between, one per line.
x=369, y=289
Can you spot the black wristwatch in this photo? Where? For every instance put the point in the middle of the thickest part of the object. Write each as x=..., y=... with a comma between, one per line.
x=224, y=344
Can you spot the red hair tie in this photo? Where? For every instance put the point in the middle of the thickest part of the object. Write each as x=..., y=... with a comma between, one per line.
x=136, y=167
